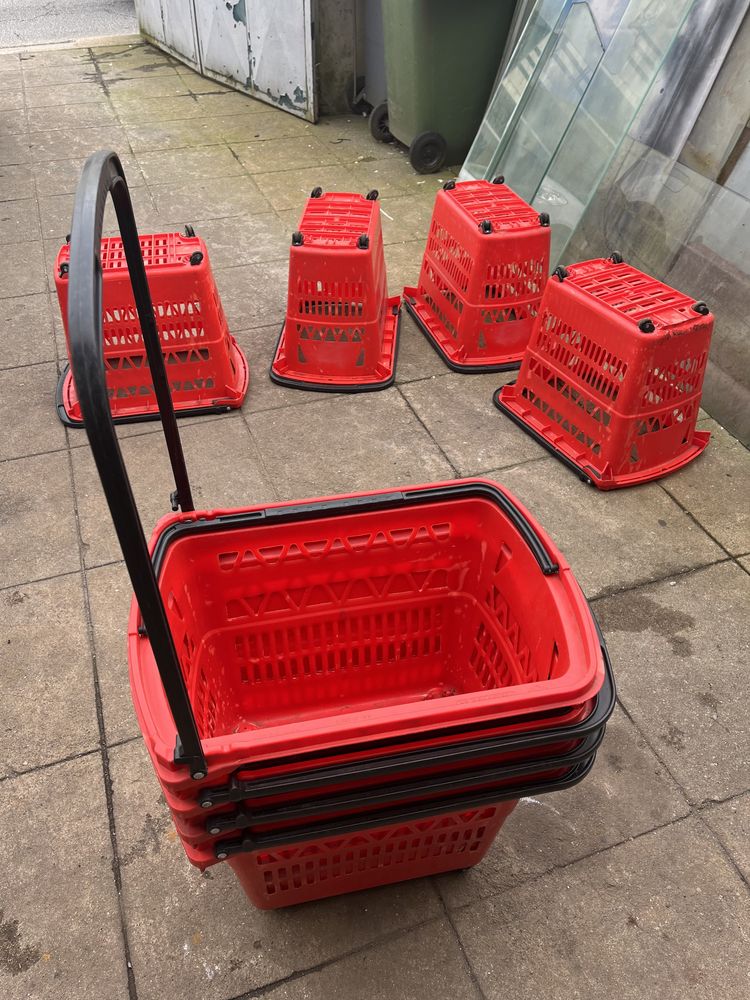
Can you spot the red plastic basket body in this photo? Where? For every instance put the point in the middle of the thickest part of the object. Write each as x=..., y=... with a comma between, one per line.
x=613, y=375
x=483, y=273
x=206, y=369
x=366, y=626
x=306, y=871
x=341, y=329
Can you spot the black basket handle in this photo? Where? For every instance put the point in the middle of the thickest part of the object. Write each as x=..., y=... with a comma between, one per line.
x=102, y=175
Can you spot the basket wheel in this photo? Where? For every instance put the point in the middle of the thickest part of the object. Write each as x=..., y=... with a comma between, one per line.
x=427, y=152
x=379, y=123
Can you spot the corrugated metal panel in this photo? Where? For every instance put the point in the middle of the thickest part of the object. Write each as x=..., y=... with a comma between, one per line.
x=264, y=47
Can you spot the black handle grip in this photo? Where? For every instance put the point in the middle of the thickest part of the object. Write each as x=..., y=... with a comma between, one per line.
x=103, y=175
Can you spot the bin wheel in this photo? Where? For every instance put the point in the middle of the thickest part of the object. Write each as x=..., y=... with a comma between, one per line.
x=427, y=152
x=379, y=123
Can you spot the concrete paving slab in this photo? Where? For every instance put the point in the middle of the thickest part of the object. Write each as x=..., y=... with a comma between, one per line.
x=730, y=821
x=61, y=176
x=75, y=116
x=27, y=412
x=716, y=489
x=406, y=218
x=458, y=412
x=12, y=122
x=168, y=84
x=49, y=94
x=56, y=213
x=209, y=199
x=403, y=261
x=14, y=149
x=288, y=189
x=745, y=563
x=257, y=126
x=26, y=331
x=244, y=239
x=27, y=276
x=229, y=102
x=45, y=675
x=152, y=136
x=75, y=142
x=626, y=794
x=11, y=97
x=417, y=359
x=417, y=965
x=37, y=528
x=194, y=935
x=16, y=182
x=254, y=294
x=59, y=926
x=19, y=222
x=362, y=442
x=201, y=162
x=224, y=468
x=682, y=658
x=283, y=154
x=612, y=540
x=110, y=592
x=655, y=917
x=144, y=110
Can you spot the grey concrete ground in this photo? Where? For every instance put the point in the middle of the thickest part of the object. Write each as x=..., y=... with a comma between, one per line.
x=23, y=22
x=632, y=885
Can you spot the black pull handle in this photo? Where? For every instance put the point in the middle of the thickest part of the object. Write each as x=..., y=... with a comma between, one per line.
x=103, y=175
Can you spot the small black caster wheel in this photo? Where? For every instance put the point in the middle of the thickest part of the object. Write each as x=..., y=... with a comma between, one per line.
x=379, y=123
x=316, y=192
x=615, y=257
x=372, y=195
x=363, y=242
x=189, y=231
x=427, y=152
x=646, y=326
x=297, y=239
x=560, y=272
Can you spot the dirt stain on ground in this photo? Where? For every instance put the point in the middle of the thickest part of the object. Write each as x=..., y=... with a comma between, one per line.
x=149, y=842
x=640, y=613
x=15, y=957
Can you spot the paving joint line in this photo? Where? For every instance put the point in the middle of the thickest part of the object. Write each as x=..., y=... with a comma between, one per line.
x=695, y=520
x=377, y=942
x=465, y=958
x=615, y=591
x=427, y=431
x=106, y=772
x=553, y=869
x=80, y=755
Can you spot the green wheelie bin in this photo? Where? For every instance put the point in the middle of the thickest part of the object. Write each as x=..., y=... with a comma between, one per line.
x=441, y=59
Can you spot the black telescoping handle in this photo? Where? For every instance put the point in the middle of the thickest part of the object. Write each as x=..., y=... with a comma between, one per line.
x=102, y=175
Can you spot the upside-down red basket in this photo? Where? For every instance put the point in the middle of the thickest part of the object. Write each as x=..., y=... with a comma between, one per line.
x=344, y=692
x=483, y=272
x=207, y=370
x=612, y=379
x=340, y=333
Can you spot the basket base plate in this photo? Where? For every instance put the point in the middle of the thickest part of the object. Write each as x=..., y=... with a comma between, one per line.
x=444, y=344
x=69, y=410
x=507, y=400
x=282, y=372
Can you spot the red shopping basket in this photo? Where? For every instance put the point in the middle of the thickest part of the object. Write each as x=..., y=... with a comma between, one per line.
x=208, y=372
x=302, y=627
x=334, y=865
x=340, y=333
x=484, y=269
x=612, y=379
